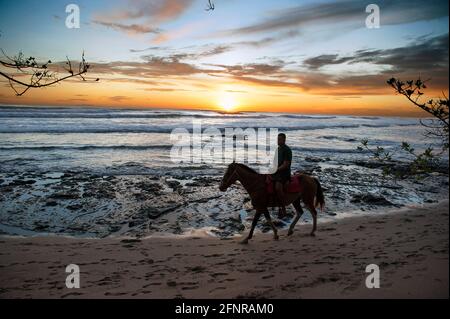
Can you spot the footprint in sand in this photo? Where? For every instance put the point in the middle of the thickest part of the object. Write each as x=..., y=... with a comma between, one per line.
x=189, y=288
x=71, y=294
x=218, y=288
x=218, y=274
x=115, y=294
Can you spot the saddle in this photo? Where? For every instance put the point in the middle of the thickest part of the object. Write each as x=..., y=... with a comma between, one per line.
x=293, y=186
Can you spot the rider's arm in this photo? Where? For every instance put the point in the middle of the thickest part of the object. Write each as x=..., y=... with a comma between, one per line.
x=284, y=166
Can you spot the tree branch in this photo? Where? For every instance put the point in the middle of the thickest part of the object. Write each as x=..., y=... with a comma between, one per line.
x=39, y=75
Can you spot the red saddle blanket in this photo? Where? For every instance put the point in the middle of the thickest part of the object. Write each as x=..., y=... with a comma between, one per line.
x=294, y=185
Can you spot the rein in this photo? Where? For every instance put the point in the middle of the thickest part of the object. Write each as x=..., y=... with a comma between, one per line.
x=235, y=172
x=229, y=178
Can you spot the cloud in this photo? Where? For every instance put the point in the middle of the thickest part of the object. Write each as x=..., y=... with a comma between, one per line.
x=236, y=91
x=152, y=12
x=168, y=90
x=171, y=66
x=426, y=57
x=269, y=40
x=118, y=98
x=202, y=51
x=73, y=100
x=215, y=51
x=263, y=74
x=145, y=71
x=430, y=54
x=179, y=32
x=129, y=79
x=317, y=62
x=330, y=16
x=195, y=52
x=130, y=29
x=251, y=69
x=148, y=49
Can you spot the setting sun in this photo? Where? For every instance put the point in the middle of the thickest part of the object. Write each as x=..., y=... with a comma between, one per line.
x=227, y=103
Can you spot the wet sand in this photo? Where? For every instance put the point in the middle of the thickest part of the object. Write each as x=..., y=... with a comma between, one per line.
x=410, y=246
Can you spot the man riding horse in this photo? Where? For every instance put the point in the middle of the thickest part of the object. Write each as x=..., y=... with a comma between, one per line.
x=308, y=190
x=283, y=174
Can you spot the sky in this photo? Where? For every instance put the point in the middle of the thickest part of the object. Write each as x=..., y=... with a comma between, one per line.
x=311, y=57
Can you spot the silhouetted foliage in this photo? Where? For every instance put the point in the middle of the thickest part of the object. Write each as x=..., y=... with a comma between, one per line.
x=38, y=74
x=428, y=160
x=425, y=162
x=438, y=108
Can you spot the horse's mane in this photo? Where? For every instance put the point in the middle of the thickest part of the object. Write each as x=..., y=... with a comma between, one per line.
x=249, y=169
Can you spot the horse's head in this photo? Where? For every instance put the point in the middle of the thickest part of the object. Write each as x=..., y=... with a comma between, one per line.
x=229, y=177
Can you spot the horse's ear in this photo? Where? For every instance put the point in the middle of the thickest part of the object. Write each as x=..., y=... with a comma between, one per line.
x=234, y=161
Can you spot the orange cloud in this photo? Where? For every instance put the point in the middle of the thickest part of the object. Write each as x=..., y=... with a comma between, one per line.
x=153, y=12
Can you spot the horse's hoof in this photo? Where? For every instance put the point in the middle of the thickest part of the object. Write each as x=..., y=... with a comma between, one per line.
x=244, y=242
x=276, y=237
x=290, y=232
x=312, y=235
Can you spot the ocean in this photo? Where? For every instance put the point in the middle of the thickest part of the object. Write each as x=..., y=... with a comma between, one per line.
x=117, y=141
x=90, y=172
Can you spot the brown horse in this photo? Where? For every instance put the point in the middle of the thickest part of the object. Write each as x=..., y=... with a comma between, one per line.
x=255, y=185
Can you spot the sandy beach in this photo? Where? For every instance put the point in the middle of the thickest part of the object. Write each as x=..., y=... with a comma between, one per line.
x=409, y=245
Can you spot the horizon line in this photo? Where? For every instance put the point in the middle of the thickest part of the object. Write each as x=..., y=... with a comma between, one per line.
x=415, y=115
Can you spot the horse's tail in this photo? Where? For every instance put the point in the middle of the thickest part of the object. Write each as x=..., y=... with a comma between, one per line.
x=320, y=199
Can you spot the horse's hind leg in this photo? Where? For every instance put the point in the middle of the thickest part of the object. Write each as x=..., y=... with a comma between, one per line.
x=269, y=220
x=313, y=211
x=298, y=214
x=252, y=229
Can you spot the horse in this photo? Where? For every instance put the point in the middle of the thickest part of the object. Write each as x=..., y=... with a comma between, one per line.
x=255, y=184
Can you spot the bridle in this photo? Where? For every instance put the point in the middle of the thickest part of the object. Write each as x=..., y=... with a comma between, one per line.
x=228, y=184
x=235, y=172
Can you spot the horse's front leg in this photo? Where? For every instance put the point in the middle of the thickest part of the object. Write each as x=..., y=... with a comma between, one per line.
x=252, y=229
x=298, y=214
x=269, y=220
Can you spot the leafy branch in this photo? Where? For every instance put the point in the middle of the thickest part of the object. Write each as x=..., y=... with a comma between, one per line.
x=379, y=153
x=38, y=75
x=424, y=162
x=428, y=160
x=438, y=108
